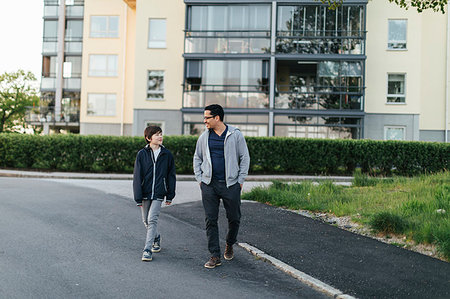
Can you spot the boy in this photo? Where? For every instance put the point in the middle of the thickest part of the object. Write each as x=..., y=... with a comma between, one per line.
x=153, y=180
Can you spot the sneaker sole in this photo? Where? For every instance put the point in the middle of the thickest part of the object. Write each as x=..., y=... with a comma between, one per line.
x=156, y=250
x=228, y=259
x=212, y=267
x=147, y=260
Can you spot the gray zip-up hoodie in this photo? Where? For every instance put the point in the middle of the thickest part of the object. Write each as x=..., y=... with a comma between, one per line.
x=237, y=159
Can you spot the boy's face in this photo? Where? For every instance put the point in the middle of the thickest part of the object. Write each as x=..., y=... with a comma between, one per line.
x=156, y=139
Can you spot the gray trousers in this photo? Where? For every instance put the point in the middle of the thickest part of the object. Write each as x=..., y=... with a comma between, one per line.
x=150, y=213
x=231, y=198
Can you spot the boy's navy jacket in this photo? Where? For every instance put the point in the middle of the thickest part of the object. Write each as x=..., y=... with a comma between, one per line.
x=154, y=180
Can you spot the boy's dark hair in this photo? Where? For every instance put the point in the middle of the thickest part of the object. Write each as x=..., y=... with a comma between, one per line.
x=216, y=110
x=150, y=131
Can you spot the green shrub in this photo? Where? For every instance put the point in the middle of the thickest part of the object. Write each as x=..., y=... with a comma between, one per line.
x=268, y=154
x=388, y=222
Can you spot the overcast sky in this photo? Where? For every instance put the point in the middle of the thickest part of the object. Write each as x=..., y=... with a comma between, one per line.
x=21, y=35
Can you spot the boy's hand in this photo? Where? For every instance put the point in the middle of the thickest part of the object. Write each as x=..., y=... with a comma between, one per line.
x=168, y=203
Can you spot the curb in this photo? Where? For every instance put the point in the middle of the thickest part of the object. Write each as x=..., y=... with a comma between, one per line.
x=180, y=177
x=303, y=277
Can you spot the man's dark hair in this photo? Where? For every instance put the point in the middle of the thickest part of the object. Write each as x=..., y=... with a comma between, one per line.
x=216, y=110
x=150, y=131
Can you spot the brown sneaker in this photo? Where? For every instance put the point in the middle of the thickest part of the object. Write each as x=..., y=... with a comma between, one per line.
x=213, y=262
x=228, y=254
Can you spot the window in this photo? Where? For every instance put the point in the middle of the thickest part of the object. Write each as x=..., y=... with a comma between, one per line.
x=103, y=65
x=397, y=34
x=396, y=88
x=50, y=29
x=104, y=26
x=157, y=33
x=394, y=133
x=158, y=123
x=74, y=30
x=155, y=89
x=229, y=17
x=101, y=104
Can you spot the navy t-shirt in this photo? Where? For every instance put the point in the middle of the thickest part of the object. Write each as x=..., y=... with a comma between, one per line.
x=216, y=144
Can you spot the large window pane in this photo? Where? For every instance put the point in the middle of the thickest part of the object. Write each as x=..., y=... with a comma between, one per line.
x=157, y=33
x=50, y=29
x=229, y=17
x=101, y=104
x=103, y=65
x=396, y=88
x=397, y=34
x=155, y=90
x=74, y=30
x=104, y=26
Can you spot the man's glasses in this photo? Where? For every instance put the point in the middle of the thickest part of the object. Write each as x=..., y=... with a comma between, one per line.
x=208, y=117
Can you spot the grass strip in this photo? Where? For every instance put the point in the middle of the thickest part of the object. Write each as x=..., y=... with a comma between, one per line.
x=416, y=207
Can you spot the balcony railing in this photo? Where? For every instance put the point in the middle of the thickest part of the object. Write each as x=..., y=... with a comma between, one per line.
x=324, y=42
x=39, y=115
x=228, y=42
x=317, y=97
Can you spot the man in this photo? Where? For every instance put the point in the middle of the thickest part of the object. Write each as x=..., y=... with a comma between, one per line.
x=221, y=163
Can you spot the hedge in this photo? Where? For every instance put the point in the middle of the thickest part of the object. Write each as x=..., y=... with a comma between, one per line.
x=269, y=155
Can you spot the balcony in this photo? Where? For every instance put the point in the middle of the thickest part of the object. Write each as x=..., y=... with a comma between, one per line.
x=70, y=116
x=313, y=42
x=229, y=96
x=319, y=98
x=228, y=42
x=72, y=84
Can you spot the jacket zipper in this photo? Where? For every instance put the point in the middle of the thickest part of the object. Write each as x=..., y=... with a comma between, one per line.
x=154, y=173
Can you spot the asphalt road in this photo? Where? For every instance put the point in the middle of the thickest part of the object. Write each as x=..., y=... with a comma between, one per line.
x=60, y=240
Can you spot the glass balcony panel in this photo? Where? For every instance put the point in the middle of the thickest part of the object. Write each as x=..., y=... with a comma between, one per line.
x=215, y=98
x=72, y=83
x=236, y=100
x=193, y=99
x=259, y=45
x=49, y=47
x=73, y=47
x=48, y=83
x=193, y=129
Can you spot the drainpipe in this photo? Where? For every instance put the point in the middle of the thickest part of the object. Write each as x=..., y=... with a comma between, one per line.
x=447, y=74
x=125, y=26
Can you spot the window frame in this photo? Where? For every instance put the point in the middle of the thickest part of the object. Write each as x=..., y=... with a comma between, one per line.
x=406, y=36
x=158, y=44
x=395, y=95
x=155, y=92
x=108, y=30
x=386, y=128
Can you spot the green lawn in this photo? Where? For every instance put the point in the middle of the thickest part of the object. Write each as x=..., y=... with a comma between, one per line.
x=416, y=207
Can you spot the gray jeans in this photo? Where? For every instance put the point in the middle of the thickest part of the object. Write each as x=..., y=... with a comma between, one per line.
x=150, y=213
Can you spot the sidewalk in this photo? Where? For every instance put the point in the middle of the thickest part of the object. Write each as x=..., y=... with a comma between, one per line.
x=356, y=265
x=180, y=177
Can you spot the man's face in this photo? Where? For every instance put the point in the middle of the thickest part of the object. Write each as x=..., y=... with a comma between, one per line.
x=209, y=120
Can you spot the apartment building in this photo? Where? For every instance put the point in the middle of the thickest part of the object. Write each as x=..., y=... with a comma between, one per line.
x=368, y=69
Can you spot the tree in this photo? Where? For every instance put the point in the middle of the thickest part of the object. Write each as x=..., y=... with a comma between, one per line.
x=16, y=93
x=420, y=5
